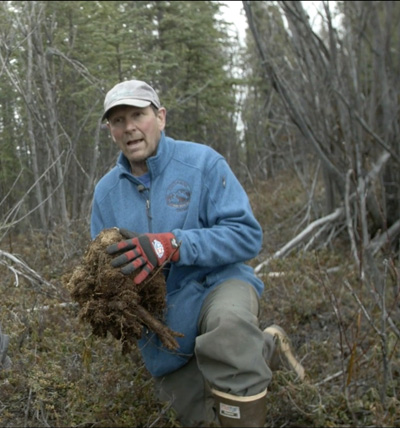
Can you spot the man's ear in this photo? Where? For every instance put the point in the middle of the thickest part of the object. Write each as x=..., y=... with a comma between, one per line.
x=110, y=133
x=161, y=117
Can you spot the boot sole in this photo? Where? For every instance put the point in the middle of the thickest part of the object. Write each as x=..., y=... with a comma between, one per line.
x=285, y=353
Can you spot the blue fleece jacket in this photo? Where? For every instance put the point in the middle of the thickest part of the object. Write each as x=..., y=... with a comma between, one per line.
x=195, y=195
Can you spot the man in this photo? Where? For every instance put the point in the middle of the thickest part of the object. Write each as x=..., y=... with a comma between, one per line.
x=179, y=206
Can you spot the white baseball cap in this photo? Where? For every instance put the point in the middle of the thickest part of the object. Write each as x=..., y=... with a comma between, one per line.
x=135, y=93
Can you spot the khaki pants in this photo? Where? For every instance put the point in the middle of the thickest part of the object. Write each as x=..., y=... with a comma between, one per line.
x=230, y=355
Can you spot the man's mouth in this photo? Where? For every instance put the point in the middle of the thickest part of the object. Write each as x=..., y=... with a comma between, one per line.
x=133, y=142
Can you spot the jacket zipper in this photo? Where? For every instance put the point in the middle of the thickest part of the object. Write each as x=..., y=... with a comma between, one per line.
x=145, y=193
x=148, y=213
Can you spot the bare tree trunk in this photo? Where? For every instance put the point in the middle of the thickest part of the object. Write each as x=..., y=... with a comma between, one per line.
x=327, y=90
x=292, y=103
x=31, y=133
x=53, y=138
x=87, y=194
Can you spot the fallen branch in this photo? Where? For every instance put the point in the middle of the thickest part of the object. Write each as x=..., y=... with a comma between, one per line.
x=386, y=237
x=317, y=227
x=311, y=229
x=25, y=271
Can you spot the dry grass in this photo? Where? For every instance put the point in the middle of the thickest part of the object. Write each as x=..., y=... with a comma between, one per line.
x=63, y=376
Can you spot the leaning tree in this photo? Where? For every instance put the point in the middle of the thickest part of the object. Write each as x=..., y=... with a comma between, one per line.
x=340, y=89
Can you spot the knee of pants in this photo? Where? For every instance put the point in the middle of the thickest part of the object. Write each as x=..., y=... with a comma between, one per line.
x=230, y=320
x=229, y=348
x=228, y=331
x=232, y=303
x=230, y=354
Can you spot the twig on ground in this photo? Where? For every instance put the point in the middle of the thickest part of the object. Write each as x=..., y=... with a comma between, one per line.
x=25, y=271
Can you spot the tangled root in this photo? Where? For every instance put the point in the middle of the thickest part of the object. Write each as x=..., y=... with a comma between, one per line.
x=111, y=302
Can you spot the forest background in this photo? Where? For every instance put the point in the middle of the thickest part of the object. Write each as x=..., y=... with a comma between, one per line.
x=317, y=150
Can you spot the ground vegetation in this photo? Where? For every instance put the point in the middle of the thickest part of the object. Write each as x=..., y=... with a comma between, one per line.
x=64, y=375
x=307, y=117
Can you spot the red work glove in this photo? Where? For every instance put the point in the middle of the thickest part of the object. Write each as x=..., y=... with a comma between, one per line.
x=145, y=251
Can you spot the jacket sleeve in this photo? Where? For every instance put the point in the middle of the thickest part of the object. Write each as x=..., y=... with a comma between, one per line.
x=231, y=233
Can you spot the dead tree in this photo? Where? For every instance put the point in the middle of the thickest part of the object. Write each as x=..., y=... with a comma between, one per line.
x=331, y=100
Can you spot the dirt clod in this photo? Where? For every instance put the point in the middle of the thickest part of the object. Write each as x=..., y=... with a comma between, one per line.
x=111, y=302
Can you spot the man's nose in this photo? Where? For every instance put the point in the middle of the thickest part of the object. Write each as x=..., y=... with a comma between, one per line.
x=130, y=124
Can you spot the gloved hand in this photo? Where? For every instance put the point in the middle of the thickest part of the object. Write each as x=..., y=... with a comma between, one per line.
x=146, y=251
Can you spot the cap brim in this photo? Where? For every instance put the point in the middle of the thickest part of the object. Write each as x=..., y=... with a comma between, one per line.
x=126, y=102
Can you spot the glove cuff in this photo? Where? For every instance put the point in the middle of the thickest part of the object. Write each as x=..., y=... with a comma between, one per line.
x=172, y=245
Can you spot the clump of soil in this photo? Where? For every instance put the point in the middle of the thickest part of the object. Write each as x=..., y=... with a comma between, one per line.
x=111, y=302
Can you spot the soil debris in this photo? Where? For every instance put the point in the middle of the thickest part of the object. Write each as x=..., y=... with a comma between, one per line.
x=111, y=302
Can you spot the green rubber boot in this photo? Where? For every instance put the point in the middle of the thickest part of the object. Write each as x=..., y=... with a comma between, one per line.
x=234, y=411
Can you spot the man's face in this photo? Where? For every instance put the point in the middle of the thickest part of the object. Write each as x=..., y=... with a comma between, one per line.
x=136, y=131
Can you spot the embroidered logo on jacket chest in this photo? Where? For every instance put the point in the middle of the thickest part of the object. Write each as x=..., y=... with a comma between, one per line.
x=178, y=195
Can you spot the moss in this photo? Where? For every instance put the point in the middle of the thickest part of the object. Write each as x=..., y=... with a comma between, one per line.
x=65, y=376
